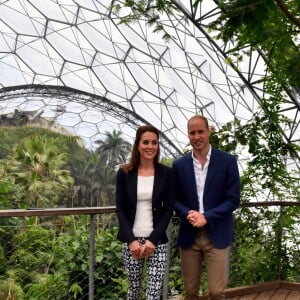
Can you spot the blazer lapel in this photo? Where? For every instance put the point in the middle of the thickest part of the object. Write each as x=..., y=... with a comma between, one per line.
x=158, y=183
x=190, y=179
x=132, y=185
x=190, y=174
x=211, y=170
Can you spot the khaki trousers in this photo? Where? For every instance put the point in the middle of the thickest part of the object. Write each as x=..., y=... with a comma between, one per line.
x=217, y=262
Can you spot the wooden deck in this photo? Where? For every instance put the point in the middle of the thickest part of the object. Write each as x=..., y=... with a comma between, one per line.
x=277, y=290
x=266, y=291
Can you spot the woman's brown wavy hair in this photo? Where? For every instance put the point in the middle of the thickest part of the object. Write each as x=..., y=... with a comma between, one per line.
x=135, y=155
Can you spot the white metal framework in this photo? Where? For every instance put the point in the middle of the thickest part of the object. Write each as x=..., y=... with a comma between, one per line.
x=72, y=61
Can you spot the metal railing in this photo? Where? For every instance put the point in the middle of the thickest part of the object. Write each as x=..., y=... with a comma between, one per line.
x=47, y=218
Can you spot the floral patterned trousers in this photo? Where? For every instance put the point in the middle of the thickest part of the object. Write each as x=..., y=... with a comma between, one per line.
x=155, y=270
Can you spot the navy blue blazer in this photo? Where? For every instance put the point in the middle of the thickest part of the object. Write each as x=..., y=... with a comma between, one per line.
x=220, y=198
x=162, y=203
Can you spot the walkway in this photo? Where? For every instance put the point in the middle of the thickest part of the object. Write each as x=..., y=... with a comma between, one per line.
x=278, y=290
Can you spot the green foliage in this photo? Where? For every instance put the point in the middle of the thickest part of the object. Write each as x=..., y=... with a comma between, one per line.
x=48, y=264
x=74, y=262
x=109, y=268
x=227, y=137
x=262, y=137
x=2, y=260
x=109, y=276
x=266, y=25
x=29, y=178
x=151, y=11
x=266, y=170
x=11, y=194
x=38, y=165
x=48, y=287
x=12, y=136
x=262, y=251
x=167, y=161
x=114, y=149
x=75, y=290
x=175, y=277
x=45, y=263
x=13, y=188
x=258, y=254
x=41, y=263
x=9, y=290
x=29, y=265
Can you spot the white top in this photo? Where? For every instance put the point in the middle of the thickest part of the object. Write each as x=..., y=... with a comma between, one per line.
x=143, y=223
x=200, y=176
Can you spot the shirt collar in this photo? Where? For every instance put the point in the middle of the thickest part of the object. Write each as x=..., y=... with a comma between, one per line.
x=207, y=156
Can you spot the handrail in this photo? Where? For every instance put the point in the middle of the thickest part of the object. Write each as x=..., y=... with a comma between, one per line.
x=6, y=213
x=270, y=203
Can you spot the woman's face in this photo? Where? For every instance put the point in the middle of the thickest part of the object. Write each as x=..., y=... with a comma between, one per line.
x=148, y=146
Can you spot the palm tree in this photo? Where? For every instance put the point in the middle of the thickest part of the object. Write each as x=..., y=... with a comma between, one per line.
x=40, y=165
x=114, y=149
x=100, y=179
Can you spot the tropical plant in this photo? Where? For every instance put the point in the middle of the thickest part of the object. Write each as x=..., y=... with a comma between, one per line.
x=271, y=26
x=100, y=168
x=114, y=149
x=9, y=290
x=76, y=158
x=11, y=193
x=39, y=165
x=99, y=180
x=108, y=262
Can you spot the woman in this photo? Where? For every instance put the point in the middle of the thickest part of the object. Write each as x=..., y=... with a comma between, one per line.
x=144, y=208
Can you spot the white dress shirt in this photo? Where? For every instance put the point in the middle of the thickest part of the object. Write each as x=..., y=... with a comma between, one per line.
x=200, y=176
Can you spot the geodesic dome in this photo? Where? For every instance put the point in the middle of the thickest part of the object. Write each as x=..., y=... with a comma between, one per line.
x=72, y=62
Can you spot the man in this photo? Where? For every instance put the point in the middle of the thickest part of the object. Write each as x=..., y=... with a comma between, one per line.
x=208, y=191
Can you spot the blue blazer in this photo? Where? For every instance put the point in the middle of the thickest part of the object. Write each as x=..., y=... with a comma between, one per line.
x=220, y=198
x=162, y=203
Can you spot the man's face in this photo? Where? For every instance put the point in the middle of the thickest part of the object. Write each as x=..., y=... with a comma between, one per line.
x=198, y=134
